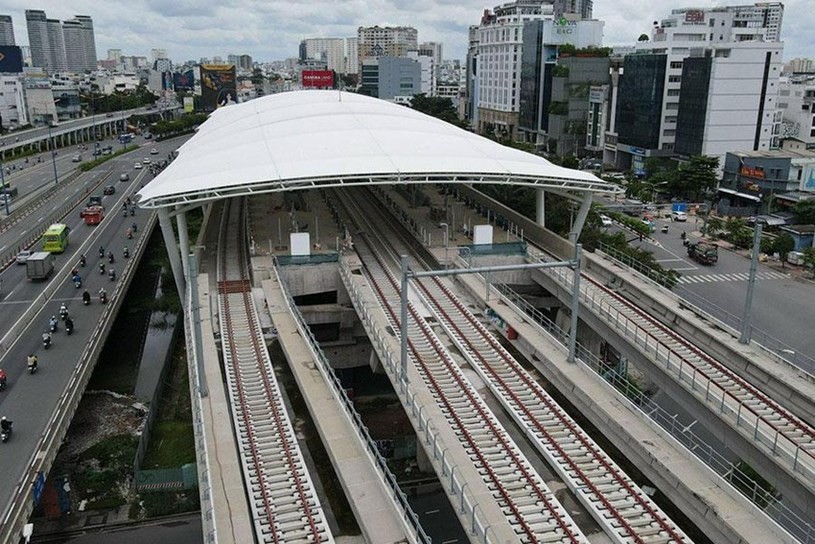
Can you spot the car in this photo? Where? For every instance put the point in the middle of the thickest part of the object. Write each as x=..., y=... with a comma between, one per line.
x=97, y=152
x=606, y=220
x=154, y=151
x=147, y=135
x=137, y=166
x=146, y=160
x=109, y=190
x=77, y=158
x=107, y=151
x=650, y=225
x=108, y=114
x=679, y=216
x=22, y=256
x=124, y=177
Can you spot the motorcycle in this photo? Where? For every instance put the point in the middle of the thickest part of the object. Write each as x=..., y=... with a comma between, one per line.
x=52, y=325
x=102, y=268
x=126, y=253
x=46, y=340
x=69, y=326
x=63, y=312
x=110, y=257
x=112, y=274
x=82, y=261
x=77, y=281
x=86, y=298
x=101, y=252
x=103, y=297
x=5, y=433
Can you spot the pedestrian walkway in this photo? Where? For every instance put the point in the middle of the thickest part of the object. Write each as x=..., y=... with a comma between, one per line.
x=740, y=276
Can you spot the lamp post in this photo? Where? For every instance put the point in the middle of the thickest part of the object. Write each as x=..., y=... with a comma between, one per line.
x=53, y=154
x=5, y=193
x=124, y=126
x=446, y=242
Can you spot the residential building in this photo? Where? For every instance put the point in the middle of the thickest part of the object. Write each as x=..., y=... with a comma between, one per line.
x=115, y=54
x=428, y=72
x=796, y=102
x=245, y=62
x=73, y=34
x=799, y=66
x=57, y=60
x=37, y=26
x=352, y=56
x=58, y=47
x=155, y=54
x=331, y=51
x=390, y=41
x=89, y=41
x=6, y=30
x=434, y=51
x=580, y=8
x=496, y=68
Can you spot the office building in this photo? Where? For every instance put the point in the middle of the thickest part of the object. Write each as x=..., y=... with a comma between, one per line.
x=496, y=68
x=352, y=56
x=390, y=41
x=6, y=30
x=393, y=78
x=36, y=24
x=245, y=62
x=796, y=103
x=53, y=51
x=567, y=8
x=89, y=41
x=57, y=60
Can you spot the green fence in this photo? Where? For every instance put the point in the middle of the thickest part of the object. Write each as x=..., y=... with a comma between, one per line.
x=164, y=479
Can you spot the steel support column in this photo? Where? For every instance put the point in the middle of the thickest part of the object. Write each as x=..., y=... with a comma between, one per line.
x=172, y=249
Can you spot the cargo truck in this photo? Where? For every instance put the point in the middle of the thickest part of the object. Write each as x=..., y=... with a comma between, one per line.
x=703, y=252
x=39, y=265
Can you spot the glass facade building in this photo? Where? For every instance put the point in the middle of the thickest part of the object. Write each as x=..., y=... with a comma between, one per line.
x=639, y=102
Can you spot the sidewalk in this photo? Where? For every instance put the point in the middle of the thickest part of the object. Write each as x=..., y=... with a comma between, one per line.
x=793, y=271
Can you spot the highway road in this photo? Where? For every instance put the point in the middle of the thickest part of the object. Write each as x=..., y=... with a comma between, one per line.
x=781, y=304
x=30, y=400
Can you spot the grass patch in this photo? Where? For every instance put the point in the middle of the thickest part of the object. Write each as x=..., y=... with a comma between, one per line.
x=165, y=503
x=85, y=166
x=100, y=470
x=172, y=444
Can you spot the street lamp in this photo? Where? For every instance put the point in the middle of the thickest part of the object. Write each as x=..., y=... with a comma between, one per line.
x=5, y=193
x=446, y=241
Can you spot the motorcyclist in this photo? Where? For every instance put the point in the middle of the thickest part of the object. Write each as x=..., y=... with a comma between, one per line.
x=103, y=295
x=683, y=235
x=101, y=268
x=133, y=210
x=110, y=257
x=33, y=361
x=63, y=311
x=86, y=297
x=5, y=424
x=129, y=233
x=52, y=323
x=124, y=212
x=126, y=252
x=101, y=251
x=82, y=260
x=134, y=227
x=69, y=325
x=46, y=339
x=77, y=279
x=112, y=273
x=3, y=378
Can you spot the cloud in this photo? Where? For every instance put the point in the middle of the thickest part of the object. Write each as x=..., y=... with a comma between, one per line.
x=272, y=29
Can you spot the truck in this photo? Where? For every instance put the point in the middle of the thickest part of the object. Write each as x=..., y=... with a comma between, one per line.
x=39, y=265
x=93, y=215
x=703, y=252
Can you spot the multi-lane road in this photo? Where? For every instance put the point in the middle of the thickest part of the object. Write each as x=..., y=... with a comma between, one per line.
x=25, y=306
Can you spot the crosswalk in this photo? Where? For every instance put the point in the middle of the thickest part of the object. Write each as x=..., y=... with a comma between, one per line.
x=741, y=276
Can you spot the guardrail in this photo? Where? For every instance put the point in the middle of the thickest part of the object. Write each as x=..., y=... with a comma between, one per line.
x=22, y=505
x=424, y=431
x=680, y=431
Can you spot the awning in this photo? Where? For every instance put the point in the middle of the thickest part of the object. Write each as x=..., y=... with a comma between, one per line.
x=740, y=195
x=769, y=220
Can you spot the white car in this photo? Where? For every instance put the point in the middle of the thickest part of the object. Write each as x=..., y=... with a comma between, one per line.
x=679, y=216
x=154, y=151
x=146, y=160
x=606, y=220
x=137, y=166
x=23, y=256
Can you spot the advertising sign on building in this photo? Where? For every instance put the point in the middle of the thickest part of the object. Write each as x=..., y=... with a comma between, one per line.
x=183, y=81
x=217, y=86
x=318, y=79
x=189, y=104
x=597, y=94
x=695, y=17
x=11, y=59
x=808, y=178
x=577, y=33
x=751, y=172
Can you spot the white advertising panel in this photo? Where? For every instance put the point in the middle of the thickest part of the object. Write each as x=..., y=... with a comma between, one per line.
x=300, y=243
x=482, y=234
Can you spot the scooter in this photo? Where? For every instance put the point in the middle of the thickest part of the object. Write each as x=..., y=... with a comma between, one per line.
x=126, y=253
x=82, y=261
x=102, y=268
x=46, y=341
x=110, y=257
x=103, y=297
x=69, y=326
x=86, y=298
x=4, y=435
x=77, y=281
x=112, y=274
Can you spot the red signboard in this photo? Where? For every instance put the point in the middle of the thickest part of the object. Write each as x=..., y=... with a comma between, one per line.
x=318, y=79
x=752, y=172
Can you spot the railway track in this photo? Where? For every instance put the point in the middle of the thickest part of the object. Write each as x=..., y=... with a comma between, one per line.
x=281, y=496
x=616, y=502
x=760, y=419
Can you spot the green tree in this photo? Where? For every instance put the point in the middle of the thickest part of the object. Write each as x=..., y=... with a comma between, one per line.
x=257, y=77
x=805, y=212
x=643, y=38
x=695, y=177
x=783, y=245
x=738, y=233
x=715, y=225
x=437, y=106
x=809, y=260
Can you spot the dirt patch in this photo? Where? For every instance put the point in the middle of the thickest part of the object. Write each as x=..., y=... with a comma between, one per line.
x=102, y=415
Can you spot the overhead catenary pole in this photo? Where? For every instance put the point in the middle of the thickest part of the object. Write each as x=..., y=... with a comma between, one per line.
x=744, y=338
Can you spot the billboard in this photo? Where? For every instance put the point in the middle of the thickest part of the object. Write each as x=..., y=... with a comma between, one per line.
x=189, y=104
x=183, y=81
x=11, y=59
x=217, y=86
x=318, y=79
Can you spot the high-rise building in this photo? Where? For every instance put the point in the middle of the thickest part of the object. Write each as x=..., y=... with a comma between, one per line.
x=114, y=54
x=245, y=62
x=389, y=41
x=6, y=30
x=48, y=42
x=498, y=71
x=796, y=102
x=37, y=26
x=57, y=61
x=433, y=50
x=581, y=8
x=156, y=54
x=799, y=66
x=331, y=51
x=232, y=59
x=352, y=56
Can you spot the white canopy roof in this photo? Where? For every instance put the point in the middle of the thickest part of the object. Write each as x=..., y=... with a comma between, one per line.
x=305, y=139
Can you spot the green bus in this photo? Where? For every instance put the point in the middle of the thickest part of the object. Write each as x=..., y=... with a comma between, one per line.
x=55, y=239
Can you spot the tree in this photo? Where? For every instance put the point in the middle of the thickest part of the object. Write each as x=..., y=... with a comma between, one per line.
x=437, y=106
x=738, y=233
x=783, y=245
x=695, y=177
x=809, y=260
x=643, y=38
x=805, y=212
x=714, y=226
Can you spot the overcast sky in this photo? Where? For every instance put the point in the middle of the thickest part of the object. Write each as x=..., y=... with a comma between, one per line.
x=272, y=30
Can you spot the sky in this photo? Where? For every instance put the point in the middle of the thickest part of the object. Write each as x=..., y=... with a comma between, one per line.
x=272, y=30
